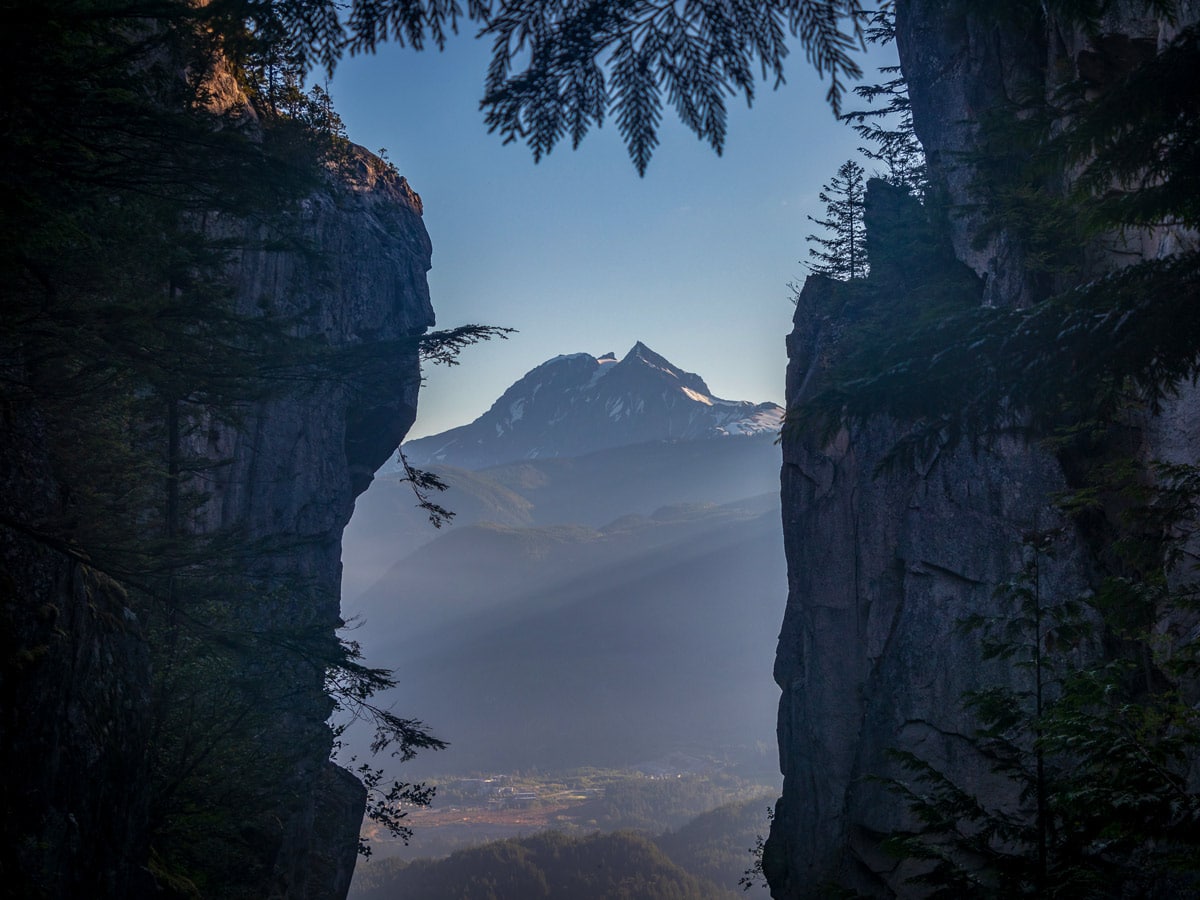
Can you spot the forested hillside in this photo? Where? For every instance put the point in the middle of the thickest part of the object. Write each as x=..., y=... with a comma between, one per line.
x=706, y=856
x=621, y=865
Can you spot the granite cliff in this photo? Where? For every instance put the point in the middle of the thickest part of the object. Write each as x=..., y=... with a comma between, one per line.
x=292, y=468
x=165, y=734
x=885, y=560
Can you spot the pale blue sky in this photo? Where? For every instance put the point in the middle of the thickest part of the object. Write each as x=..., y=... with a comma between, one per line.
x=582, y=255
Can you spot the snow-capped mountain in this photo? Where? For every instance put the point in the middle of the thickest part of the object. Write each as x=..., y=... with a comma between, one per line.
x=577, y=404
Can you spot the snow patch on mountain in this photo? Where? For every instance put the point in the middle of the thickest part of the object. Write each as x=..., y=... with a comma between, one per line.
x=576, y=403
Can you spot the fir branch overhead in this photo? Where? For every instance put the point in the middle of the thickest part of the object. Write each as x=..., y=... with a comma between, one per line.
x=560, y=68
x=552, y=61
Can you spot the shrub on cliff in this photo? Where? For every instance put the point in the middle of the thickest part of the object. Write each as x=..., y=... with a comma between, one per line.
x=1095, y=745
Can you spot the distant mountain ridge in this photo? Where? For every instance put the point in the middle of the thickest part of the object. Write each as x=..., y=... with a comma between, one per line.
x=606, y=589
x=567, y=646
x=578, y=403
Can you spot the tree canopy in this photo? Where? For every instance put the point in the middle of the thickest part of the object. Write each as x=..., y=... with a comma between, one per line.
x=558, y=68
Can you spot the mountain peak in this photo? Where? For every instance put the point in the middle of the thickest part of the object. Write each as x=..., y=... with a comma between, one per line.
x=643, y=356
x=644, y=353
x=577, y=403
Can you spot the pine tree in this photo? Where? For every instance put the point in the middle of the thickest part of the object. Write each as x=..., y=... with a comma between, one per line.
x=841, y=252
x=888, y=126
x=1096, y=745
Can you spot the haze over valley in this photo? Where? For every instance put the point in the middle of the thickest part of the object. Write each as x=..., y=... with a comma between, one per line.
x=605, y=589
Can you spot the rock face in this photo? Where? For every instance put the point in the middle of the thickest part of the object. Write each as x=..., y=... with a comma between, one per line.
x=77, y=677
x=579, y=403
x=881, y=567
x=296, y=463
x=75, y=693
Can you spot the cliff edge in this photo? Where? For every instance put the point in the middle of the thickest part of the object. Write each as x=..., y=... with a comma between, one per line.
x=886, y=557
x=180, y=456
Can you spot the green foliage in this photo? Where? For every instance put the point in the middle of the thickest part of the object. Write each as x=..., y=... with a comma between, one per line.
x=714, y=844
x=582, y=59
x=352, y=685
x=1095, y=745
x=711, y=847
x=1070, y=360
x=857, y=339
x=1140, y=144
x=1080, y=352
x=126, y=196
x=888, y=127
x=652, y=804
x=557, y=68
x=755, y=876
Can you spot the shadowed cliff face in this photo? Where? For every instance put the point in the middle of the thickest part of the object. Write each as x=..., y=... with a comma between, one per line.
x=295, y=464
x=212, y=312
x=75, y=699
x=77, y=685
x=882, y=566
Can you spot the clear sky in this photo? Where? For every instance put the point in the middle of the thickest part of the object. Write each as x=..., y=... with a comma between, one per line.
x=580, y=254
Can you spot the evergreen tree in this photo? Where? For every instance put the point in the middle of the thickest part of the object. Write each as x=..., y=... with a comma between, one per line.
x=840, y=253
x=888, y=127
x=1095, y=746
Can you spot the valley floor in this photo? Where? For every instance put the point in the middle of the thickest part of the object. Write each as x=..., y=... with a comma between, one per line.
x=702, y=824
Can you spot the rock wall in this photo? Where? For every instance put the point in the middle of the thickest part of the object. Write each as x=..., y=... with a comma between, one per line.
x=295, y=464
x=74, y=700
x=882, y=566
x=76, y=679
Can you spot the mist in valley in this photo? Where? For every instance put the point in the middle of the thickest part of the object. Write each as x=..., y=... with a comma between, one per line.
x=606, y=610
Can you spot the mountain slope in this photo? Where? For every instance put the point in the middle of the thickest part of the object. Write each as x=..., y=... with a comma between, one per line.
x=605, y=596
x=577, y=404
x=569, y=646
x=589, y=490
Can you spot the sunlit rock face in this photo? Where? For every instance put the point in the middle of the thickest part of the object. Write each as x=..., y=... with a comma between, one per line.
x=882, y=565
x=578, y=403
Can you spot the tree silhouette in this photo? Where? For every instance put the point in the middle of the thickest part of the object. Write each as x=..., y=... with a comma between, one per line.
x=887, y=124
x=560, y=67
x=840, y=253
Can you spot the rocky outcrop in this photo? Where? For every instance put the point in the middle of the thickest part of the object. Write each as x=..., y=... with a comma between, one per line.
x=295, y=463
x=880, y=571
x=960, y=66
x=346, y=269
x=883, y=564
